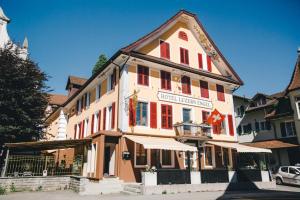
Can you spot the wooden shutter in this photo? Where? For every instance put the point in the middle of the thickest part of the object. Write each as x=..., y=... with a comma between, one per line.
x=92, y=124
x=186, y=85
x=146, y=76
x=104, y=118
x=164, y=116
x=131, y=113
x=163, y=79
x=230, y=124
x=82, y=129
x=170, y=117
x=75, y=131
x=208, y=59
x=113, y=109
x=181, y=55
x=140, y=75
x=200, y=61
x=99, y=120
x=182, y=35
x=204, y=89
x=220, y=93
x=153, y=115
x=186, y=56
x=164, y=50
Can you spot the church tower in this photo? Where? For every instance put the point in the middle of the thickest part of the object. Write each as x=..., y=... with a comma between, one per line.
x=5, y=39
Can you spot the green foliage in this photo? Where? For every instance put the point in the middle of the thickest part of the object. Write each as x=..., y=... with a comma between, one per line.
x=40, y=188
x=164, y=192
x=23, y=98
x=2, y=190
x=13, y=187
x=99, y=64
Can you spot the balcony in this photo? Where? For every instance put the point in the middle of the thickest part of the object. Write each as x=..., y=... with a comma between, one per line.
x=190, y=129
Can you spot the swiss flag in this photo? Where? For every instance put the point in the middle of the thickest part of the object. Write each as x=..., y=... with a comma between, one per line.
x=215, y=118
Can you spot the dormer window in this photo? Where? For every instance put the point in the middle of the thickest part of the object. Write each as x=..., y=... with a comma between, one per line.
x=182, y=35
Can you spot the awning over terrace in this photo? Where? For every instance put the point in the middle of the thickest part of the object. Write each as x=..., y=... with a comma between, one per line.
x=160, y=143
x=48, y=145
x=240, y=148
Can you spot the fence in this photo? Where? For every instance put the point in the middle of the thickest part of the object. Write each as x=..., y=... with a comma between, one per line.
x=31, y=165
x=214, y=176
x=173, y=176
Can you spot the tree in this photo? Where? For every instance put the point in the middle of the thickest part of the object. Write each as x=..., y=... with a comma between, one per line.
x=99, y=64
x=23, y=98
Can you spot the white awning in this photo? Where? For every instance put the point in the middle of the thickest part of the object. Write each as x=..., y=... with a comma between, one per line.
x=240, y=148
x=160, y=143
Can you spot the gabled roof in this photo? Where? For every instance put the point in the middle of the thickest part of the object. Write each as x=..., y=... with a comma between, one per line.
x=295, y=80
x=75, y=81
x=57, y=99
x=155, y=32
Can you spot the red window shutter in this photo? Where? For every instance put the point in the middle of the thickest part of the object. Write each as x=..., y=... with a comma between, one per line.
x=186, y=56
x=200, y=61
x=208, y=59
x=220, y=93
x=146, y=76
x=143, y=75
x=82, y=129
x=162, y=79
x=99, y=120
x=131, y=113
x=230, y=124
x=165, y=80
x=164, y=50
x=92, y=124
x=181, y=55
x=113, y=109
x=166, y=117
x=170, y=117
x=153, y=115
x=182, y=35
x=216, y=129
x=104, y=118
x=75, y=131
x=204, y=89
x=186, y=85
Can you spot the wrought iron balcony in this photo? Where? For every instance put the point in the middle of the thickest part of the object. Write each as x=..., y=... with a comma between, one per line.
x=190, y=129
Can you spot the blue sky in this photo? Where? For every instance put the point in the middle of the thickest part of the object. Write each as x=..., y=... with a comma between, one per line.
x=259, y=38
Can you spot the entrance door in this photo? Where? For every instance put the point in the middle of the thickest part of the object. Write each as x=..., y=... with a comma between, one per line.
x=109, y=160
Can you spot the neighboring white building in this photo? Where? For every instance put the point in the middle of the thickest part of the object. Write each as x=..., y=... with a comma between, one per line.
x=5, y=40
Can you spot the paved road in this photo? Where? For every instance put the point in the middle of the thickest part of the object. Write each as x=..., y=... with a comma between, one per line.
x=281, y=192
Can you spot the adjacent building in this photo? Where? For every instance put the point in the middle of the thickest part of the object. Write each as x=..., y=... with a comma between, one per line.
x=272, y=121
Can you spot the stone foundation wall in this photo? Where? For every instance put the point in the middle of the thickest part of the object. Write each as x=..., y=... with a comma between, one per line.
x=35, y=183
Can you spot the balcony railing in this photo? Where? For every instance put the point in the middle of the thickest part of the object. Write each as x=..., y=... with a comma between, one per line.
x=192, y=129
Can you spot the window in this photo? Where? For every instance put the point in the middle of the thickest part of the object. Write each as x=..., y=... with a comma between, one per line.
x=140, y=155
x=220, y=93
x=200, y=61
x=284, y=169
x=166, y=116
x=182, y=35
x=239, y=130
x=288, y=129
x=143, y=75
x=263, y=126
x=208, y=156
x=167, y=158
x=298, y=106
x=165, y=80
x=247, y=129
x=293, y=170
x=257, y=129
x=142, y=114
x=86, y=123
x=225, y=157
x=98, y=91
x=205, y=116
x=79, y=106
x=184, y=56
x=164, y=50
x=208, y=60
x=111, y=80
x=109, y=118
x=87, y=99
x=221, y=128
x=241, y=111
x=186, y=116
x=186, y=85
x=204, y=89
x=96, y=122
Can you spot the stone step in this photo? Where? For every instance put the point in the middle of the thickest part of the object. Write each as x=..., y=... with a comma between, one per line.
x=132, y=188
x=129, y=193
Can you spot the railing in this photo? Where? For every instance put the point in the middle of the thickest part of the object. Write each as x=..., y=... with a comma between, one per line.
x=214, y=176
x=31, y=165
x=192, y=129
x=173, y=176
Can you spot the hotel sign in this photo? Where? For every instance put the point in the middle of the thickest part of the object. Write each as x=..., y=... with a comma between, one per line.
x=180, y=99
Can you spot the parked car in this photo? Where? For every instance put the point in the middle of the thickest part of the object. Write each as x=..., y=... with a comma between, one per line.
x=288, y=175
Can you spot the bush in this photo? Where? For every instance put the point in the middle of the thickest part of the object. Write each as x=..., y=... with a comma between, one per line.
x=12, y=187
x=2, y=190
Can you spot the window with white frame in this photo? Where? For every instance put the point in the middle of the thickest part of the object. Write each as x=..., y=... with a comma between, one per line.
x=109, y=118
x=288, y=129
x=142, y=113
x=110, y=84
x=209, y=156
x=96, y=122
x=98, y=91
x=193, y=159
x=140, y=155
x=167, y=158
x=298, y=106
